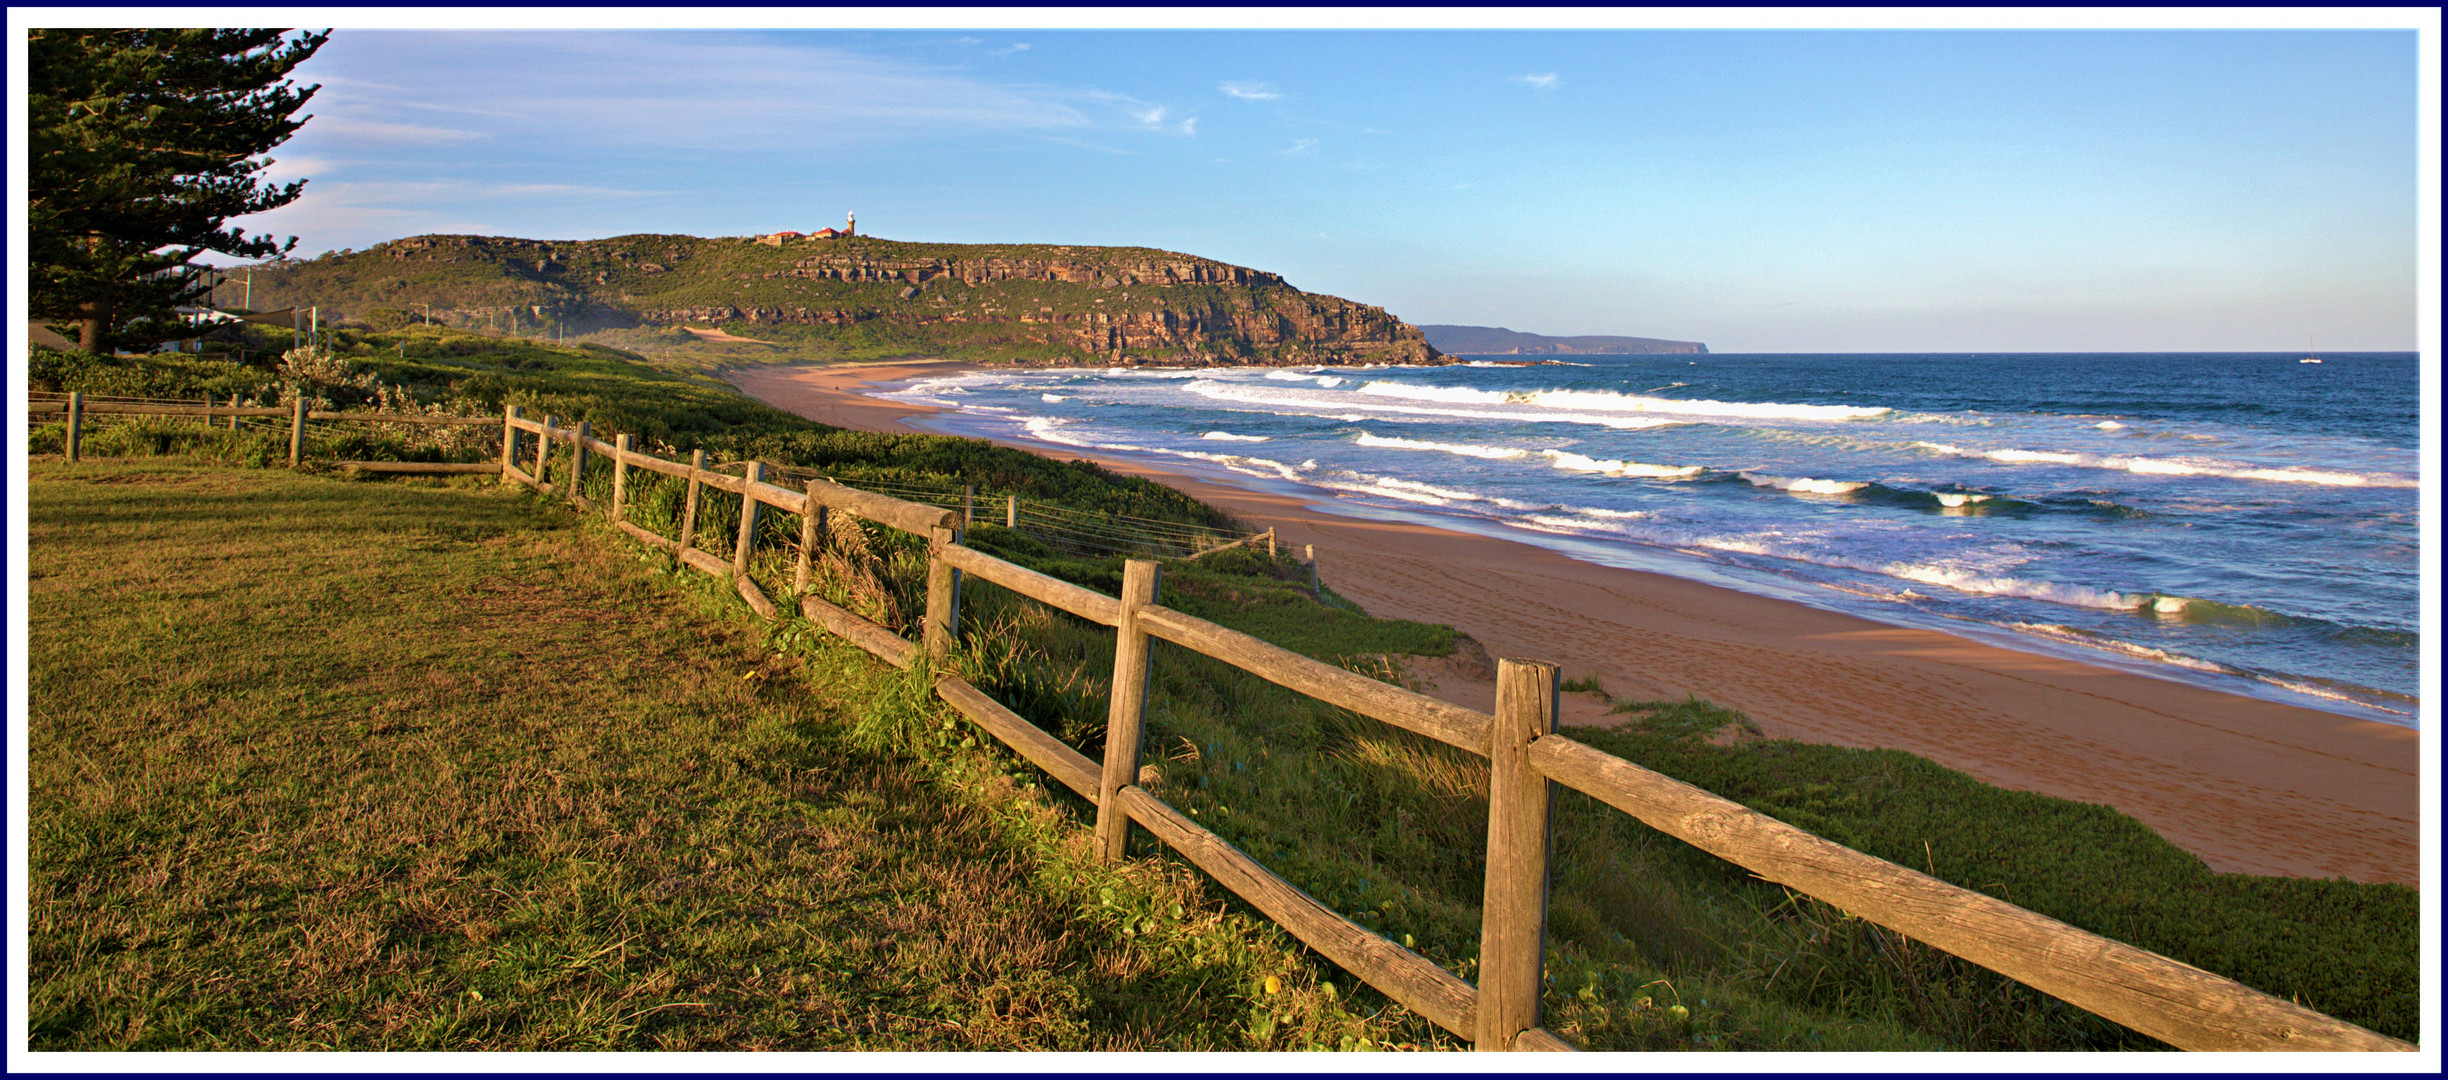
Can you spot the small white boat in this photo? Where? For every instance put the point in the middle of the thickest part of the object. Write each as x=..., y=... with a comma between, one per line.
x=2309, y=348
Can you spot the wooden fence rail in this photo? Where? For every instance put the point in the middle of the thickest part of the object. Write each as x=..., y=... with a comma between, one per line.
x=2152, y=994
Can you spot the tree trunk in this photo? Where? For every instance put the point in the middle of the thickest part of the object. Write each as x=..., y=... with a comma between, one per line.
x=93, y=320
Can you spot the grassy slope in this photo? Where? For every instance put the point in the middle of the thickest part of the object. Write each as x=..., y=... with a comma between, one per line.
x=318, y=764
x=1386, y=827
x=672, y=408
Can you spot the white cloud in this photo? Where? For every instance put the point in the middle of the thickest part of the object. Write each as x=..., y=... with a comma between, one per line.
x=675, y=92
x=1189, y=126
x=1250, y=91
x=1543, y=81
x=377, y=131
x=1301, y=146
x=1152, y=116
x=1016, y=47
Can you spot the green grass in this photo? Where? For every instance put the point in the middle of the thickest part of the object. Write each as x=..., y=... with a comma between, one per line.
x=1390, y=828
x=2342, y=947
x=390, y=766
x=671, y=409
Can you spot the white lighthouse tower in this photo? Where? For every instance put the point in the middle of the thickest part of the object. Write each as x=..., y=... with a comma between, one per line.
x=851, y=228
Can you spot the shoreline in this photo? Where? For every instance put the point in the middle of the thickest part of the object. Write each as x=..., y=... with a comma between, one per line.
x=2249, y=785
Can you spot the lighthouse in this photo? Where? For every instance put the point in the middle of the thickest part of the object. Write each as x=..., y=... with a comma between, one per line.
x=851, y=228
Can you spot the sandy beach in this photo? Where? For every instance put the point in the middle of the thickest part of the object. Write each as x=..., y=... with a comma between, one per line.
x=2249, y=785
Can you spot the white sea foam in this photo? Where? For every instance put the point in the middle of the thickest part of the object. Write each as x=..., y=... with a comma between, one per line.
x=2071, y=636
x=1601, y=401
x=1492, y=453
x=1305, y=376
x=2179, y=466
x=1226, y=436
x=1804, y=485
x=1055, y=399
x=2109, y=425
x=1617, y=466
x=1959, y=498
x=2311, y=690
x=1342, y=404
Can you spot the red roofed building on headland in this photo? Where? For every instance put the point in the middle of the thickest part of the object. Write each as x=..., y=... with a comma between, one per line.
x=849, y=228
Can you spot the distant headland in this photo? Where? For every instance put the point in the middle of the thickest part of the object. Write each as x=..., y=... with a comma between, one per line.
x=1493, y=340
x=841, y=295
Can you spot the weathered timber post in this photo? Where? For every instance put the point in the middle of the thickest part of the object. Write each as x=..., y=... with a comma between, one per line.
x=620, y=477
x=76, y=423
x=233, y=412
x=1513, y=913
x=1270, y=541
x=578, y=461
x=297, y=428
x=811, y=526
x=968, y=505
x=1127, y=720
x=544, y=440
x=749, y=506
x=688, y=509
x=1011, y=511
x=510, y=413
x=942, y=596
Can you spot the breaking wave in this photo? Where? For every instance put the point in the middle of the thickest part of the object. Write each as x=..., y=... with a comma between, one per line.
x=2149, y=466
x=1603, y=401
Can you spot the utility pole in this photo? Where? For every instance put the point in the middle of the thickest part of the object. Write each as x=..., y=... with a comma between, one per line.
x=428, y=313
x=250, y=290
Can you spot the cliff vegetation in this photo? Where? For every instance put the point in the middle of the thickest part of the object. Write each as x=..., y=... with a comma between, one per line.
x=852, y=298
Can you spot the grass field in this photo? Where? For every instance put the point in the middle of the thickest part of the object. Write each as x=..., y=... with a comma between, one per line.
x=391, y=766
x=318, y=762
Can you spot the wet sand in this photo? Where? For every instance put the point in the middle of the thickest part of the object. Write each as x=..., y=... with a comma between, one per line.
x=2249, y=785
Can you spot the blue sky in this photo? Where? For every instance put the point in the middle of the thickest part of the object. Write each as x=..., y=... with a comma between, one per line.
x=1787, y=190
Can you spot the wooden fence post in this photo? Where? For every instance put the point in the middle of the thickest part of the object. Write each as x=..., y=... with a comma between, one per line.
x=233, y=412
x=1127, y=720
x=811, y=526
x=620, y=478
x=1270, y=541
x=688, y=510
x=1011, y=511
x=968, y=505
x=578, y=461
x=297, y=428
x=76, y=422
x=1513, y=912
x=509, y=441
x=749, y=507
x=543, y=453
x=942, y=597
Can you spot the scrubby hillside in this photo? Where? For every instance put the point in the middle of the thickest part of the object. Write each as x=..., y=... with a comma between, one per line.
x=853, y=297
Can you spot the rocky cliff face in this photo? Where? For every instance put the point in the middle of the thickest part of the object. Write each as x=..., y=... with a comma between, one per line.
x=1041, y=304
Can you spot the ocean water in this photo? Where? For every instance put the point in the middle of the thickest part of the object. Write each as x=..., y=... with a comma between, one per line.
x=2240, y=521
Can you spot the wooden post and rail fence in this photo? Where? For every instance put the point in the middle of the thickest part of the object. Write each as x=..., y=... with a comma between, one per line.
x=77, y=410
x=2175, y=1002
x=2168, y=1000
